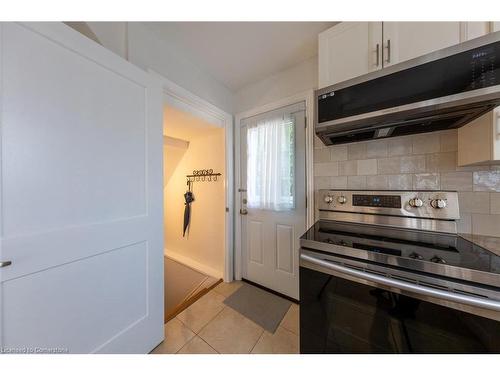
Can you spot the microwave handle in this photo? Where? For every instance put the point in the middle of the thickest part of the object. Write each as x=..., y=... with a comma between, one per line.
x=402, y=285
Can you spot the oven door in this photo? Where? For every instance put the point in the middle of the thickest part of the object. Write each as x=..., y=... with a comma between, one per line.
x=344, y=309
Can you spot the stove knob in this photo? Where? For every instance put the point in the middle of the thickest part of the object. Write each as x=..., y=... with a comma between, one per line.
x=341, y=199
x=438, y=203
x=416, y=256
x=436, y=259
x=328, y=199
x=416, y=202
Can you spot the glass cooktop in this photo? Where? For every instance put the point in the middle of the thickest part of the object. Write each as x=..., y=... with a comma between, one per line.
x=410, y=246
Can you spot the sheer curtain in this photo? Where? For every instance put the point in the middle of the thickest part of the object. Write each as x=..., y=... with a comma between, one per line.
x=270, y=162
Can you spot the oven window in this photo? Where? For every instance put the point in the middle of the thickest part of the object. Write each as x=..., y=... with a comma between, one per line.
x=341, y=316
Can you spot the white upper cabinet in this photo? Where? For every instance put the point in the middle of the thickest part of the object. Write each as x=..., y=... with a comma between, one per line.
x=479, y=141
x=351, y=49
x=348, y=50
x=407, y=40
x=471, y=30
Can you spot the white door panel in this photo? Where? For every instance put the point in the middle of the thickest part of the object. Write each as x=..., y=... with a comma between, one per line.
x=284, y=248
x=61, y=128
x=59, y=319
x=407, y=40
x=81, y=195
x=255, y=242
x=270, y=239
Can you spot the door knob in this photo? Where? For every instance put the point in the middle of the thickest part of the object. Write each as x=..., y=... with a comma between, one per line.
x=5, y=264
x=243, y=211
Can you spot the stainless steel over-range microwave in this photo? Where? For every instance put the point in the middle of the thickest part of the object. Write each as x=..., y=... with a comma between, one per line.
x=441, y=90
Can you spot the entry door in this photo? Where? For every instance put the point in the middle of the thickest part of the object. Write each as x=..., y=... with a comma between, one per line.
x=273, y=198
x=81, y=203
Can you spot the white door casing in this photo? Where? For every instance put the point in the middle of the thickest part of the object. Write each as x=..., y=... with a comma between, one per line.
x=186, y=101
x=81, y=203
x=270, y=239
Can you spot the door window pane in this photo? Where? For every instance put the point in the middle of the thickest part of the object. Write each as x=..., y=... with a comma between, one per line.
x=271, y=163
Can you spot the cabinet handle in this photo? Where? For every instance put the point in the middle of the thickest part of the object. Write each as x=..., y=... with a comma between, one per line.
x=5, y=263
x=497, y=121
x=378, y=54
x=388, y=51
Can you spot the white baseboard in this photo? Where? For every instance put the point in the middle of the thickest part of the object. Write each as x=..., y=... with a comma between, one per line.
x=193, y=264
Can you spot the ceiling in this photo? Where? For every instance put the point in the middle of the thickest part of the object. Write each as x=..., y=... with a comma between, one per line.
x=240, y=53
x=182, y=125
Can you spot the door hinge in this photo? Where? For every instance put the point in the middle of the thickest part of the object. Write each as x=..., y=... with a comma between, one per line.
x=305, y=122
x=306, y=201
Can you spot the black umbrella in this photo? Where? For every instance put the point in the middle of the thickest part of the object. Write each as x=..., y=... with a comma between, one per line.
x=188, y=197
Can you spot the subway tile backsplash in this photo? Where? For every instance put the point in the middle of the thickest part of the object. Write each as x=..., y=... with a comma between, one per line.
x=423, y=161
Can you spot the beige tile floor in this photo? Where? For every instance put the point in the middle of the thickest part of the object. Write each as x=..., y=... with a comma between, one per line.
x=209, y=327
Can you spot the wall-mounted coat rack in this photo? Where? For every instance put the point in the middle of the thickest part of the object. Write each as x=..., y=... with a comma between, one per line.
x=203, y=175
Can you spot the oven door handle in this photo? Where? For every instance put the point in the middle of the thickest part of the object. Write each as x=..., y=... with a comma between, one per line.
x=484, y=303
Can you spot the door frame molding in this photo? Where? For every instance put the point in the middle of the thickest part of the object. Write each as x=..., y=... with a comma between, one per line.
x=308, y=98
x=185, y=100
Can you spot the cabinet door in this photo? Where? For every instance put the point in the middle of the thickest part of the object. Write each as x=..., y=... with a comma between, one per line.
x=495, y=26
x=471, y=30
x=479, y=140
x=406, y=40
x=496, y=135
x=349, y=50
x=475, y=141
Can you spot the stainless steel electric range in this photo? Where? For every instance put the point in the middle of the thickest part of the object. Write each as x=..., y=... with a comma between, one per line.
x=386, y=272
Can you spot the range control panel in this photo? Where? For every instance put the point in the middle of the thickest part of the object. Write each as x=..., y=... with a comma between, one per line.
x=421, y=204
x=367, y=200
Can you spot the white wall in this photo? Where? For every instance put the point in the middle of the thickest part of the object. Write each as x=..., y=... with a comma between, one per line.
x=142, y=47
x=147, y=50
x=204, y=246
x=292, y=81
x=112, y=35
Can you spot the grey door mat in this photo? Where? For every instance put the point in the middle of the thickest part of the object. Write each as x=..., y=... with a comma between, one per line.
x=263, y=308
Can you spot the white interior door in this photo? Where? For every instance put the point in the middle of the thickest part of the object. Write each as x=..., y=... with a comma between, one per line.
x=81, y=203
x=273, y=197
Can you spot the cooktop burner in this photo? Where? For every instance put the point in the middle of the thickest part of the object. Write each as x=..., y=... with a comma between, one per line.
x=414, y=246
